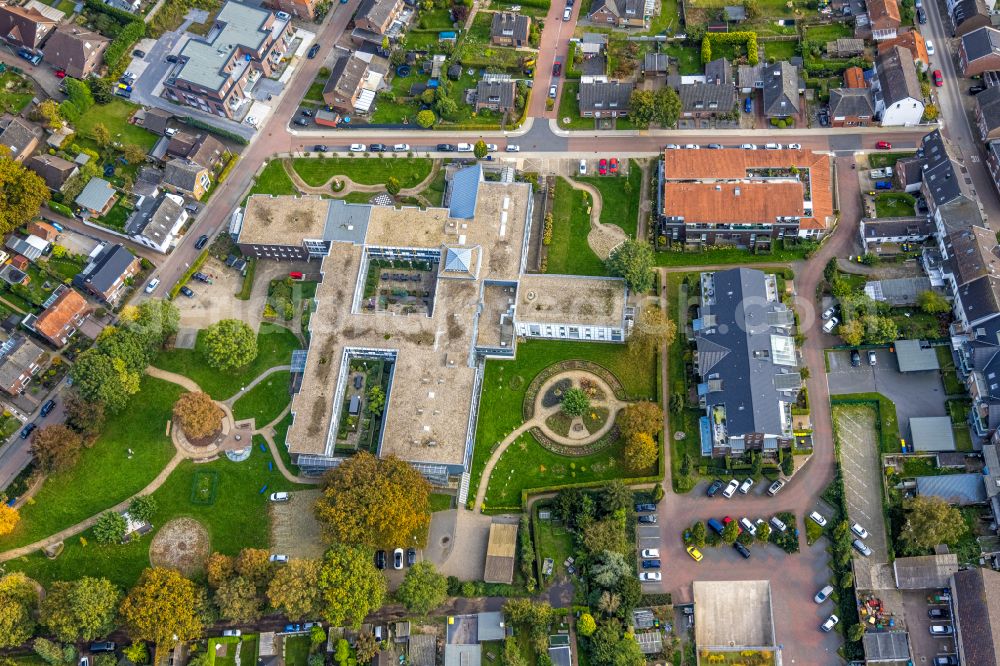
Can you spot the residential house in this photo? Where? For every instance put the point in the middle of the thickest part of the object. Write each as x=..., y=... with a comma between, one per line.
x=704, y=100
x=968, y=15
x=619, y=13
x=43, y=230
x=782, y=87
x=908, y=174
x=991, y=476
x=851, y=107
x=845, y=47
x=216, y=76
x=377, y=16
x=345, y=87
x=156, y=225
x=743, y=198
x=23, y=26
x=156, y=121
x=496, y=95
x=978, y=362
x=203, y=149
x=304, y=9
x=979, y=51
x=655, y=64
x=896, y=87
x=976, y=599
x=20, y=137
x=183, y=176
x=509, y=29
x=719, y=71
x=108, y=272
x=884, y=18
x=97, y=197
x=895, y=230
x=76, y=50
x=854, y=77
x=64, y=313
x=947, y=189
x=993, y=162
x=54, y=170
x=28, y=248
x=988, y=113
x=750, y=77
x=592, y=44
x=605, y=99
x=912, y=41
x=743, y=324
x=20, y=360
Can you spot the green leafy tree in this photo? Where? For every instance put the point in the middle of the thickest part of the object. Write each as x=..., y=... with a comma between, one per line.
x=651, y=330
x=641, y=452
x=365, y=647
x=100, y=378
x=763, y=533
x=512, y=652
x=83, y=609
x=101, y=135
x=788, y=464
x=423, y=589
x=932, y=302
x=54, y=653
x=198, y=415
x=426, y=118
x=392, y=185
x=376, y=400
x=633, y=260
x=642, y=107
x=110, y=528
x=22, y=193
x=18, y=600
x=317, y=636
x=668, y=106
x=616, y=496
x=745, y=538
x=136, y=653
x=82, y=415
x=350, y=585
x=294, y=589
x=752, y=9
x=229, y=344
x=879, y=329
x=375, y=502
x=142, y=508
x=586, y=626
x=638, y=417
x=730, y=532
x=856, y=632
x=479, y=149
x=237, y=600
x=852, y=332
x=698, y=534
x=847, y=580
x=446, y=108
x=575, y=402
x=930, y=521
x=342, y=651
x=255, y=565
x=163, y=608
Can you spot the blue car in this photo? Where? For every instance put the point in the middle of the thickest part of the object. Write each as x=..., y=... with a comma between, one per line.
x=748, y=105
x=650, y=564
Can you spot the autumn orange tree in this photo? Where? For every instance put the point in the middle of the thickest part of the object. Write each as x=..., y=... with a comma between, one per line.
x=163, y=608
x=644, y=416
x=56, y=447
x=640, y=452
x=379, y=503
x=8, y=519
x=198, y=415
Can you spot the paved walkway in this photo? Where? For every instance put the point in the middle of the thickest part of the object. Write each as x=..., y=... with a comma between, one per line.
x=603, y=238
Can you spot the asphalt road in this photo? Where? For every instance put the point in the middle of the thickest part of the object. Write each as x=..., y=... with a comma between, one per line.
x=15, y=454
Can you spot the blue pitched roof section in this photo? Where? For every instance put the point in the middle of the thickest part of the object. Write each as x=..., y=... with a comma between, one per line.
x=465, y=192
x=299, y=360
x=960, y=489
x=706, y=436
x=458, y=259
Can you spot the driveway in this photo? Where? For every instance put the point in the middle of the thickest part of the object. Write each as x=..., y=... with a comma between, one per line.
x=924, y=646
x=859, y=457
x=914, y=393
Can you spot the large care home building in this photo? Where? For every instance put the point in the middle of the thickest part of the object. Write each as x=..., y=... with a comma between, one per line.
x=217, y=73
x=743, y=198
x=746, y=362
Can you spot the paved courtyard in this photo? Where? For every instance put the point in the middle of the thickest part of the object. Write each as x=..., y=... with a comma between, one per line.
x=924, y=646
x=859, y=456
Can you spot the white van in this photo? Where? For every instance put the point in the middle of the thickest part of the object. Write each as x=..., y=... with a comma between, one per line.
x=778, y=524
x=567, y=14
x=465, y=148
x=772, y=146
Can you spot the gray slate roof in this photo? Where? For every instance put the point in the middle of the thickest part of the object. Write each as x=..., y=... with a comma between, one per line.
x=96, y=194
x=988, y=102
x=966, y=9
x=496, y=92
x=897, y=75
x=605, y=96
x=942, y=177
x=346, y=76
x=851, y=102
x=508, y=24
x=924, y=571
x=182, y=174
x=377, y=11
x=915, y=355
x=977, y=604
x=701, y=97
x=163, y=218
x=981, y=42
x=781, y=89
x=620, y=8
x=18, y=134
x=656, y=63
x=960, y=489
x=105, y=269
x=19, y=353
x=719, y=71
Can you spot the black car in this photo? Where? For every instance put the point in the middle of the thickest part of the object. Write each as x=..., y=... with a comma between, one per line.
x=301, y=122
x=715, y=146
x=201, y=242
x=921, y=16
x=102, y=646
x=742, y=550
x=946, y=660
x=855, y=358
x=939, y=613
x=202, y=277
x=645, y=506
x=650, y=564
x=714, y=488
x=446, y=148
x=139, y=53
x=47, y=407
x=380, y=559
x=320, y=148
x=27, y=430
x=649, y=519
x=557, y=69
x=376, y=147
x=171, y=58
x=186, y=290
x=411, y=556
x=313, y=50
x=307, y=113
x=975, y=90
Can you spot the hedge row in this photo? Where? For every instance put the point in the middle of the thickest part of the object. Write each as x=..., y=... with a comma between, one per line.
x=119, y=15
x=119, y=51
x=745, y=37
x=195, y=267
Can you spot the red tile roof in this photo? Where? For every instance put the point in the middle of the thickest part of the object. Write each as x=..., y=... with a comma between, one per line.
x=54, y=318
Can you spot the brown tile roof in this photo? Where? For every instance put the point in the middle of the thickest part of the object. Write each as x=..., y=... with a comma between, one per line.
x=43, y=230
x=883, y=12
x=733, y=164
x=25, y=26
x=910, y=40
x=75, y=49
x=733, y=202
x=977, y=598
x=854, y=77
x=54, y=318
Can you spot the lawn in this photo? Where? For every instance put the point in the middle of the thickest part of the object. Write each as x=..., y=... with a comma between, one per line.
x=666, y=20
x=116, y=217
x=441, y=502
x=895, y=204
x=15, y=92
x=688, y=58
x=280, y=432
x=273, y=179
x=620, y=198
x=114, y=115
x=919, y=324
x=505, y=383
x=569, y=253
x=780, y=50
x=105, y=474
x=296, y=650
x=366, y=171
x=238, y=520
x=553, y=541
x=882, y=160
x=827, y=33
x=66, y=267
x=435, y=19
x=570, y=108
x=541, y=10
x=724, y=255
x=434, y=192
x=266, y=401
x=275, y=345
x=232, y=645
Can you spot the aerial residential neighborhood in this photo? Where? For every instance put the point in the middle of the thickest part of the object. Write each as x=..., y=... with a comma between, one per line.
x=499, y=332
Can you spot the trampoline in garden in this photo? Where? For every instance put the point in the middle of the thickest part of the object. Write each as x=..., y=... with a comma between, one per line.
x=403, y=71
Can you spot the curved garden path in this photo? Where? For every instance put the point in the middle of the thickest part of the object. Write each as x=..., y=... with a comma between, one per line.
x=261, y=377
x=541, y=413
x=603, y=238
x=181, y=454
x=351, y=186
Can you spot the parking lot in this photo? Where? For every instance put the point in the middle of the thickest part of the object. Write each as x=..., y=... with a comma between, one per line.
x=924, y=646
x=914, y=393
x=862, y=468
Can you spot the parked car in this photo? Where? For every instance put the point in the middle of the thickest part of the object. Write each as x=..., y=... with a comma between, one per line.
x=731, y=489
x=672, y=146
x=855, y=358
x=411, y=556
x=650, y=553
x=778, y=524
x=201, y=242
x=103, y=646
x=818, y=518
x=715, y=146
x=556, y=68
x=976, y=89
x=602, y=167
x=446, y=147
x=648, y=519
x=60, y=73
x=313, y=50
x=307, y=113
x=830, y=623
x=380, y=559
x=828, y=313
x=692, y=146
x=742, y=550
x=748, y=526
x=775, y=487
x=930, y=47
x=201, y=277
x=583, y=167
x=232, y=632
x=645, y=507
x=301, y=122
x=376, y=147
x=694, y=553
x=465, y=148
x=152, y=285
x=321, y=148
x=650, y=576
x=794, y=146
x=280, y=497
x=401, y=148
x=938, y=78
x=552, y=91
x=397, y=558
x=823, y=594
x=47, y=407
x=715, y=525
x=171, y=58
x=939, y=614
x=921, y=16
x=714, y=488
x=860, y=531
x=748, y=105
x=830, y=325
x=862, y=547
x=872, y=359
x=27, y=430
x=748, y=146
x=279, y=559
x=883, y=145
x=357, y=148
x=186, y=290
x=513, y=148
x=941, y=630
x=746, y=486
x=946, y=660
x=492, y=147
x=650, y=564
x=613, y=165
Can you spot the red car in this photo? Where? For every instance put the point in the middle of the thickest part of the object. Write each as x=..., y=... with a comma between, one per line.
x=295, y=275
x=727, y=520
x=60, y=73
x=613, y=167
x=557, y=69
x=938, y=79
x=883, y=145
x=602, y=167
